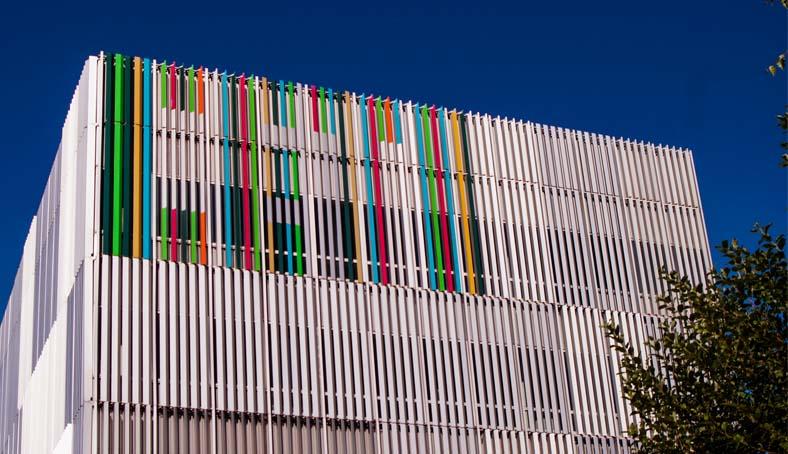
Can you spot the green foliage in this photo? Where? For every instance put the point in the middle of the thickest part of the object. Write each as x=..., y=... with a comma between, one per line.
x=782, y=119
x=779, y=64
x=716, y=379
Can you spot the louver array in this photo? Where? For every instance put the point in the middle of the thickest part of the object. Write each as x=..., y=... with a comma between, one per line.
x=225, y=263
x=209, y=168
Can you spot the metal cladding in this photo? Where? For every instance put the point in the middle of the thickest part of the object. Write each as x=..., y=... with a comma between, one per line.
x=227, y=263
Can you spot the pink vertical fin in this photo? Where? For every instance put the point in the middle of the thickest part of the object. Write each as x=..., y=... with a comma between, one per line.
x=384, y=275
x=247, y=214
x=441, y=202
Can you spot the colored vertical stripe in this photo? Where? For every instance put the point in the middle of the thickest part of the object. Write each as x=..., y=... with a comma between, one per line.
x=174, y=234
x=203, y=240
x=299, y=259
x=177, y=219
x=389, y=121
x=202, y=234
x=200, y=92
x=147, y=169
x=353, y=185
x=458, y=156
x=474, y=223
x=397, y=126
x=136, y=245
x=245, y=166
x=323, y=119
x=287, y=196
x=269, y=209
x=192, y=90
x=251, y=94
x=233, y=176
x=163, y=84
x=279, y=210
x=449, y=201
x=164, y=221
x=315, y=116
x=164, y=216
x=441, y=202
x=346, y=225
x=428, y=152
x=425, y=198
x=255, y=190
x=381, y=128
x=291, y=104
x=373, y=250
x=378, y=190
x=228, y=235
x=117, y=168
x=282, y=105
x=173, y=86
x=235, y=157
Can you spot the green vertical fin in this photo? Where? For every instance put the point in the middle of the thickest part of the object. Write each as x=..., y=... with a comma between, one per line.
x=117, y=162
x=297, y=229
x=323, y=117
x=163, y=83
x=381, y=123
x=194, y=236
x=433, y=197
x=258, y=260
x=191, y=89
x=292, y=114
x=164, y=236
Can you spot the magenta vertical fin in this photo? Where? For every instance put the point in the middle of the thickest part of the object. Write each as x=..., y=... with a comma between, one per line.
x=173, y=86
x=441, y=202
x=247, y=214
x=315, y=117
x=373, y=139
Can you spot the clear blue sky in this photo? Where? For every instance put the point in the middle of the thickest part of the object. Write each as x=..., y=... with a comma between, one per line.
x=685, y=73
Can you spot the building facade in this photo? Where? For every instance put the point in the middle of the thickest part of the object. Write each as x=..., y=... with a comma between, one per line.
x=230, y=264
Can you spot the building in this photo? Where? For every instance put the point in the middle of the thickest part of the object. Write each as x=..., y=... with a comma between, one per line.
x=224, y=263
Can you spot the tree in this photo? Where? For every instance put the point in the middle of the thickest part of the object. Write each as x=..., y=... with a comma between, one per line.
x=782, y=119
x=715, y=379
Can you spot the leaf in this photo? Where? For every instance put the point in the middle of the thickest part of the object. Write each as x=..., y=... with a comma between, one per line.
x=778, y=64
